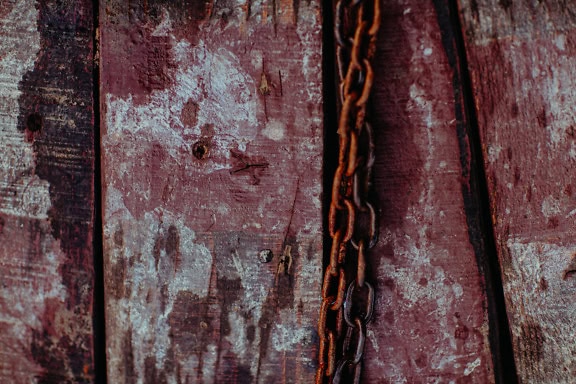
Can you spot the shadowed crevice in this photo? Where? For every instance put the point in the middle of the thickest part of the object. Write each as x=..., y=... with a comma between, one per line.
x=99, y=324
x=475, y=192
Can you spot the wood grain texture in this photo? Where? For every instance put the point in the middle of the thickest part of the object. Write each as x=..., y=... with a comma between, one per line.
x=521, y=57
x=212, y=153
x=46, y=192
x=431, y=322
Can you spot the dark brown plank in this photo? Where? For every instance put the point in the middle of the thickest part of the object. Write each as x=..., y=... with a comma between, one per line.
x=46, y=192
x=212, y=152
x=431, y=322
x=521, y=57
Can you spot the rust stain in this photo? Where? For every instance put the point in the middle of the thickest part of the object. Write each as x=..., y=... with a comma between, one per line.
x=263, y=88
x=288, y=10
x=285, y=262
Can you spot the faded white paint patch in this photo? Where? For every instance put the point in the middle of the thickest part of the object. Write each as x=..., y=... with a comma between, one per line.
x=310, y=44
x=274, y=130
x=251, y=275
x=373, y=340
x=28, y=195
x=27, y=284
x=23, y=303
x=558, y=91
x=560, y=42
x=114, y=204
x=532, y=263
x=458, y=290
x=165, y=26
x=212, y=79
x=288, y=335
x=154, y=284
x=417, y=252
x=239, y=342
x=493, y=152
x=216, y=79
x=471, y=366
x=572, y=151
x=422, y=103
x=551, y=207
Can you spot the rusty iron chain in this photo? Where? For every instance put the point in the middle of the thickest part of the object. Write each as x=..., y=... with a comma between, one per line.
x=347, y=298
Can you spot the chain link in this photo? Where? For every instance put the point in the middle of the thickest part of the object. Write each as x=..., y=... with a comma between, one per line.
x=348, y=299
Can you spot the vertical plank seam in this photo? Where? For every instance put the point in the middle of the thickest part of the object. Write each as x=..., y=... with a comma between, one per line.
x=329, y=110
x=99, y=323
x=478, y=206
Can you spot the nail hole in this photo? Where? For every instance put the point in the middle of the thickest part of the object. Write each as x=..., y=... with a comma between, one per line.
x=265, y=256
x=200, y=150
x=34, y=122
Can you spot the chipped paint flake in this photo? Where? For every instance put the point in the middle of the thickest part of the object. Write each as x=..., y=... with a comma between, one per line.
x=551, y=207
x=274, y=130
x=471, y=366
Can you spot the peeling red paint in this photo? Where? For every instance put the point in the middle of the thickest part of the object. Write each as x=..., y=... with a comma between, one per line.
x=204, y=172
x=46, y=191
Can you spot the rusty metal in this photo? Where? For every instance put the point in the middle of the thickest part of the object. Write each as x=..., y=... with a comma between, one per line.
x=347, y=296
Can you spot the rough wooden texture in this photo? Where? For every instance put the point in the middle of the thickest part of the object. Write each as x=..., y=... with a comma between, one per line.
x=46, y=192
x=521, y=58
x=212, y=152
x=431, y=323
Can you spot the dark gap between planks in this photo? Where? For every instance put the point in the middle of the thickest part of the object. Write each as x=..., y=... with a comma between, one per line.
x=99, y=325
x=478, y=217
x=330, y=111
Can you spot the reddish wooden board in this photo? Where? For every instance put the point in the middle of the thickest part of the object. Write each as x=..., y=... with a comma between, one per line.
x=46, y=192
x=212, y=153
x=521, y=57
x=431, y=322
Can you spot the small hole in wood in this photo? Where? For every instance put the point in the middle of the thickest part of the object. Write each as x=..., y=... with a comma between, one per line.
x=265, y=255
x=34, y=122
x=200, y=150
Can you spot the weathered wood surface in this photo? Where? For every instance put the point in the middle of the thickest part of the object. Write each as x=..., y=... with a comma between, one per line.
x=212, y=152
x=46, y=192
x=521, y=57
x=431, y=323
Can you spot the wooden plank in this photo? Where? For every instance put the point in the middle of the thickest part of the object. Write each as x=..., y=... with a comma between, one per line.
x=522, y=68
x=431, y=322
x=46, y=192
x=212, y=155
